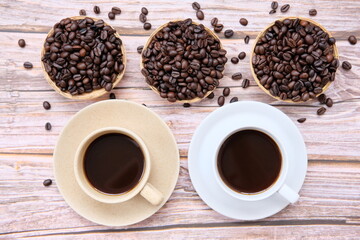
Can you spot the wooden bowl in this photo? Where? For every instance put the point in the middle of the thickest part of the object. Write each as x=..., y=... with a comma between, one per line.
x=96, y=92
x=196, y=99
x=261, y=34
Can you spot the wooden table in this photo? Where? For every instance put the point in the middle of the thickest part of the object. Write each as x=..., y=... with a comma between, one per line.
x=329, y=206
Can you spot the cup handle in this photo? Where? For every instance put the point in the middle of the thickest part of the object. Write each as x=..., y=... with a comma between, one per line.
x=289, y=194
x=151, y=194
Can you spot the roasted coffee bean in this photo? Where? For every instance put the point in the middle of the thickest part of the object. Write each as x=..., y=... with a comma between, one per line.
x=234, y=60
x=96, y=9
x=221, y=101
x=196, y=6
x=322, y=98
x=228, y=33
x=329, y=102
x=312, y=12
x=247, y=39
x=82, y=12
x=245, y=83
x=346, y=65
x=226, y=91
x=321, y=111
x=47, y=182
x=272, y=11
x=144, y=11
x=186, y=105
x=28, y=65
x=112, y=96
x=236, y=76
x=274, y=5
x=140, y=48
x=116, y=10
x=214, y=21
x=142, y=18
x=22, y=43
x=352, y=40
x=147, y=26
x=234, y=99
x=218, y=28
x=200, y=15
x=285, y=8
x=46, y=105
x=111, y=15
x=242, y=55
x=243, y=21
x=301, y=120
x=211, y=96
x=48, y=126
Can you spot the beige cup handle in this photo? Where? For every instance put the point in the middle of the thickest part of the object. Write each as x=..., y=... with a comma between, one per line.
x=289, y=194
x=151, y=194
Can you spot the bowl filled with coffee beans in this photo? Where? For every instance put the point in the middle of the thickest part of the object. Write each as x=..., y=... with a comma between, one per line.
x=183, y=61
x=83, y=57
x=294, y=59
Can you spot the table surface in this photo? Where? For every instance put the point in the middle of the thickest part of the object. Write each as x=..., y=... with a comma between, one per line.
x=329, y=204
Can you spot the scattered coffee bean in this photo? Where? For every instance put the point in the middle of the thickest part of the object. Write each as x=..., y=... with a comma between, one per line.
x=96, y=9
x=211, y=96
x=83, y=55
x=272, y=11
x=242, y=55
x=112, y=96
x=322, y=98
x=28, y=65
x=301, y=120
x=228, y=33
x=22, y=43
x=196, y=6
x=226, y=91
x=116, y=10
x=142, y=18
x=236, y=76
x=312, y=12
x=285, y=8
x=218, y=28
x=221, y=101
x=111, y=15
x=144, y=10
x=321, y=111
x=140, y=48
x=82, y=12
x=186, y=70
x=234, y=60
x=352, y=40
x=48, y=126
x=274, y=5
x=147, y=26
x=329, y=102
x=200, y=15
x=243, y=21
x=290, y=70
x=346, y=65
x=46, y=105
x=246, y=39
x=245, y=83
x=186, y=105
x=47, y=182
x=234, y=99
x=214, y=21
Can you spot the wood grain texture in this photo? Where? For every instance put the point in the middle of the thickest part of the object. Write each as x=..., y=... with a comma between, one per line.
x=329, y=206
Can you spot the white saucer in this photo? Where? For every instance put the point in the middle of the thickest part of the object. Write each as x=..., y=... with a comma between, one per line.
x=203, y=148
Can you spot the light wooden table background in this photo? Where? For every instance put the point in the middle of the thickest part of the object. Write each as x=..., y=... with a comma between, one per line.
x=329, y=206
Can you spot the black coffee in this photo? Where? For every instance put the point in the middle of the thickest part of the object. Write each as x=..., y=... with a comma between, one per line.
x=114, y=163
x=249, y=161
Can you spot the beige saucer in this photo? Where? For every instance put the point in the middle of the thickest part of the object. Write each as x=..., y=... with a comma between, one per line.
x=146, y=124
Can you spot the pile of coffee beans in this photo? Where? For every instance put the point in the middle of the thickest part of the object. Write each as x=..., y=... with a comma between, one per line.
x=83, y=55
x=294, y=59
x=183, y=61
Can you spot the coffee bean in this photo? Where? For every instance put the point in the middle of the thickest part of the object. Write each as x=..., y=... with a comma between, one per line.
x=111, y=15
x=48, y=126
x=243, y=21
x=234, y=60
x=46, y=105
x=245, y=83
x=301, y=120
x=321, y=111
x=28, y=65
x=352, y=40
x=236, y=76
x=200, y=15
x=82, y=12
x=139, y=49
x=246, y=39
x=47, y=182
x=272, y=11
x=147, y=26
x=331, y=41
x=112, y=96
x=186, y=105
x=285, y=8
x=211, y=96
x=228, y=33
x=144, y=11
x=96, y=9
x=226, y=91
x=242, y=55
x=22, y=43
x=234, y=99
x=218, y=28
x=142, y=18
x=329, y=102
x=214, y=21
x=221, y=101
x=322, y=98
x=346, y=65
x=312, y=12
x=116, y=10
x=196, y=6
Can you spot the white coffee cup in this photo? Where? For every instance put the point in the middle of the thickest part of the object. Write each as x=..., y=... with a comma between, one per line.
x=143, y=187
x=278, y=186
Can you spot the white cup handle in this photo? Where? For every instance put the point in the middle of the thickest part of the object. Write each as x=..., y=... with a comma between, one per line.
x=289, y=194
x=151, y=194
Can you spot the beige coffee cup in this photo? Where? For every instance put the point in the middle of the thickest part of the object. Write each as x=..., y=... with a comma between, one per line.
x=144, y=188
